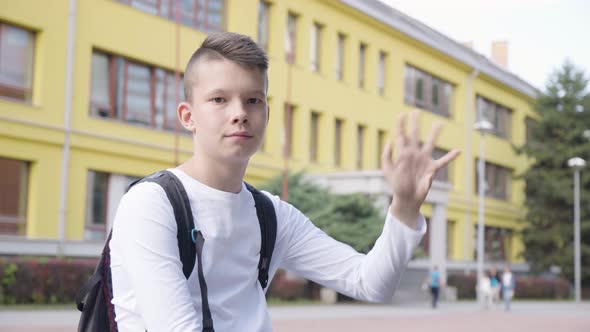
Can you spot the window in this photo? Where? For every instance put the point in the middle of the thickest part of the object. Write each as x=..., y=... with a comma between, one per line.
x=451, y=225
x=104, y=191
x=288, y=131
x=498, y=181
x=291, y=38
x=313, y=142
x=381, y=74
x=132, y=93
x=381, y=135
x=499, y=116
x=315, y=48
x=497, y=243
x=16, y=62
x=443, y=174
x=263, y=24
x=360, y=142
x=14, y=185
x=204, y=15
x=338, y=142
x=427, y=92
x=340, y=58
x=362, y=56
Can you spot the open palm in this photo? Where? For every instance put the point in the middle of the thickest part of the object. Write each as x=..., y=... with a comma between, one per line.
x=410, y=174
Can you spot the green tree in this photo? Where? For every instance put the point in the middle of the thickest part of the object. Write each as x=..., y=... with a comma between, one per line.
x=560, y=132
x=352, y=219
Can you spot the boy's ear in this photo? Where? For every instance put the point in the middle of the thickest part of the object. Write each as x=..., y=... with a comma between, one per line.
x=185, y=116
x=267, y=114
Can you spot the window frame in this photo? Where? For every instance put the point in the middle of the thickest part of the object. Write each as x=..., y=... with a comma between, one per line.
x=418, y=91
x=22, y=94
x=118, y=79
x=15, y=225
x=192, y=19
x=263, y=24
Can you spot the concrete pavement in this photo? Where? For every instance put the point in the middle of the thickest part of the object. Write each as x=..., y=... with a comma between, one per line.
x=455, y=317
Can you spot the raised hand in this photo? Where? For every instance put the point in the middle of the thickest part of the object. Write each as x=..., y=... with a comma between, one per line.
x=410, y=174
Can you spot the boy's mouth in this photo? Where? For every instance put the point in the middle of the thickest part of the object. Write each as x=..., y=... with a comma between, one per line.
x=240, y=134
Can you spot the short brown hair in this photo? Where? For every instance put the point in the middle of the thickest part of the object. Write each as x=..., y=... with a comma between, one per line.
x=232, y=46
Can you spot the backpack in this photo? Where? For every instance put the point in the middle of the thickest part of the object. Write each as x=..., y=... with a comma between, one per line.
x=94, y=297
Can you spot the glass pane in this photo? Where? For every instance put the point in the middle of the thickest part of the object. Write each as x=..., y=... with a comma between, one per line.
x=443, y=173
x=160, y=98
x=419, y=89
x=14, y=178
x=16, y=62
x=338, y=142
x=213, y=21
x=187, y=12
x=119, y=93
x=99, y=94
x=148, y=6
x=409, y=85
x=381, y=73
x=291, y=38
x=98, y=202
x=263, y=21
x=138, y=94
x=435, y=92
x=313, y=142
x=171, y=102
x=340, y=57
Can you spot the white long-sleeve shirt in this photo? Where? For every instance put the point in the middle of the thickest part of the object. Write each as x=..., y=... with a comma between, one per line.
x=150, y=290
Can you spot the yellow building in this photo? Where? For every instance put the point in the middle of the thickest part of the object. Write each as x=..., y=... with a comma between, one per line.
x=88, y=91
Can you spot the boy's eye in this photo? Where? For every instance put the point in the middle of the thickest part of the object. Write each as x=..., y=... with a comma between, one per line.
x=254, y=101
x=218, y=100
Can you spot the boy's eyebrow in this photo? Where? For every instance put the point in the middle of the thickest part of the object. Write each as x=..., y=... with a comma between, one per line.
x=221, y=91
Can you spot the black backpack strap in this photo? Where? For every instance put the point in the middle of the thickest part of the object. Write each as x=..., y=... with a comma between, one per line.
x=267, y=219
x=186, y=235
x=207, y=319
x=182, y=213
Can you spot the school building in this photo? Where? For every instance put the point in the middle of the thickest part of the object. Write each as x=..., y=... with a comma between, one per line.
x=88, y=90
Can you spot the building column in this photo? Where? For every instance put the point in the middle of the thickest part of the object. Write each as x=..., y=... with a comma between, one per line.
x=438, y=239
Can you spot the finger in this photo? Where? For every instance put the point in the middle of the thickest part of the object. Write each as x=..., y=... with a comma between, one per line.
x=447, y=158
x=386, y=156
x=400, y=132
x=414, y=126
x=434, y=133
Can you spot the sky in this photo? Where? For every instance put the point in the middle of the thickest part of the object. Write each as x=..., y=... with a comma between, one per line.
x=541, y=33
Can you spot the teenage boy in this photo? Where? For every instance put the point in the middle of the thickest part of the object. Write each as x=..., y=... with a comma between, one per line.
x=225, y=109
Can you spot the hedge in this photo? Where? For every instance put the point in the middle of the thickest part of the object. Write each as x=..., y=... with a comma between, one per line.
x=42, y=280
x=527, y=287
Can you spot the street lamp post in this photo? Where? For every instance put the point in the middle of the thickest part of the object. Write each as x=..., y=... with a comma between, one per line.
x=577, y=164
x=483, y=126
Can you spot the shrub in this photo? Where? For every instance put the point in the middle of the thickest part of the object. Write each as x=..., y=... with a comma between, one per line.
x=42, y=280
x=527, y=287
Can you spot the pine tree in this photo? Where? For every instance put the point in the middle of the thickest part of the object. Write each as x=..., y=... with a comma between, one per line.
x=561, y=131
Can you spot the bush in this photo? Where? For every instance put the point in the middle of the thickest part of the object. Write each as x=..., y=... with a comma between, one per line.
x=42, y=280
x=527, y=287
x=285, y=288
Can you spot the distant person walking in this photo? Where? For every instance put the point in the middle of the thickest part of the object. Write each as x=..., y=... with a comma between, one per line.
x=508, y=285
x=484, y=287
x=495, y=285
x=433, y=281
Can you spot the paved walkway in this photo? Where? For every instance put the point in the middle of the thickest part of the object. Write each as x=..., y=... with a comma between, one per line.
x=450, y=317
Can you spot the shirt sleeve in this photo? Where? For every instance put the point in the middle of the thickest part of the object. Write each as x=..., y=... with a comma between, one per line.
x=147, y=230
x=373, y=277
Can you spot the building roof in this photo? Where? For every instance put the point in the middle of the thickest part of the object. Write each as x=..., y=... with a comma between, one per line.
x=440, y=42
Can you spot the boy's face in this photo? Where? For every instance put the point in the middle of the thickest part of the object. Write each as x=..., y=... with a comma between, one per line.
x=229, y=110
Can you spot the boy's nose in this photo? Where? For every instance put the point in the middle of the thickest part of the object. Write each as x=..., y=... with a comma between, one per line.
x=239, y=115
